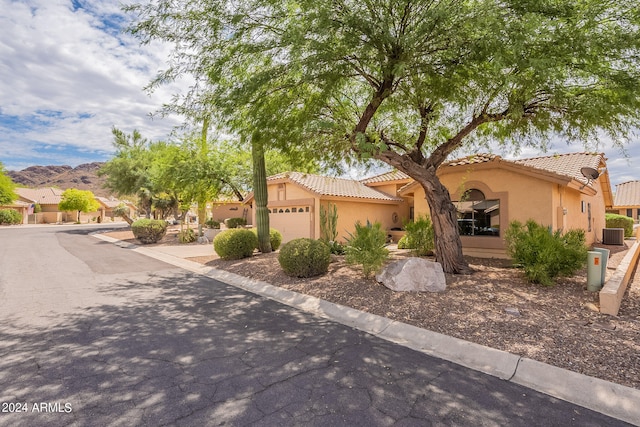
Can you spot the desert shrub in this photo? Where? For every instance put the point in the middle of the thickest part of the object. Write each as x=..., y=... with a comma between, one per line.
x=187, y=235
x=366, y=247
x=543, y=254
x=274, y=236
x=212, y=223
x=404, y=243
x=419, y=236
x=304, y=258
x=235, y=243
x=149, y=230
x=235, y=222
x=328, y=223
x=10, y=216
x=335, y=248
x=620, y=221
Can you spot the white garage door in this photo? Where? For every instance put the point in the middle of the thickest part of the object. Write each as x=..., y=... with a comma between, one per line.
x=292, y=221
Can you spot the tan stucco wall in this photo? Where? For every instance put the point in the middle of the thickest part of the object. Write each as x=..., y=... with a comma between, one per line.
x=222, y=211
x=349, y=212
x=522, y=197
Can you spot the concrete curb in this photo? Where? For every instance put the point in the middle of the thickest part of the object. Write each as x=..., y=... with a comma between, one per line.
x=608, y=398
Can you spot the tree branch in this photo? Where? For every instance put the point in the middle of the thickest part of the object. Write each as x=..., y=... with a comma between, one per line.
x=441, y=153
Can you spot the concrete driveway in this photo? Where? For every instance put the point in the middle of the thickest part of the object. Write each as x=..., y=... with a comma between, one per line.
x=94, y=334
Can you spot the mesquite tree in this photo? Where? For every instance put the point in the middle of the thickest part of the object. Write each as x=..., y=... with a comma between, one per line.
x=408, y=82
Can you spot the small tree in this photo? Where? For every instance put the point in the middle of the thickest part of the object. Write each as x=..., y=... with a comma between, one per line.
x=7, y=195
x=78, y=200
x=123, y=211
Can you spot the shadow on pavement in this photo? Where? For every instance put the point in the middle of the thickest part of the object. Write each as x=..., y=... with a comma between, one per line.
x=187, y=350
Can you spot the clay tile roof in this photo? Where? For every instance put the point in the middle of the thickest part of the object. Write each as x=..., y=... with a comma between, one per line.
x=568, y=165
x=44, y=196
x=627, y=194
x=109, y=202
x=475, y=158
x=328, y=186
x=394, y=175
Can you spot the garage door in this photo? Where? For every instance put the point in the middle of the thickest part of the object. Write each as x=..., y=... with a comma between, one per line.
x=292, y=221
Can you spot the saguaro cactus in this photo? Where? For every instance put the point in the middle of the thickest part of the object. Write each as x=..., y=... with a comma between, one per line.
x=260, y=194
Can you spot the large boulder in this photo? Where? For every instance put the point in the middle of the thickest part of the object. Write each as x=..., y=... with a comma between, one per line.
x=413, y=274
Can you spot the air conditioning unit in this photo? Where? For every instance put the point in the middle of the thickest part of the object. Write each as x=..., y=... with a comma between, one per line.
x=613, y=236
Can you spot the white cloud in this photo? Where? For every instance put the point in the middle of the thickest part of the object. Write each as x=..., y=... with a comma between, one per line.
x=68, y=75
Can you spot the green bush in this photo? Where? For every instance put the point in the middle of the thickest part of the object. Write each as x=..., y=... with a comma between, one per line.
x=187, y=235
x=304, y=258
x=212, y=223
x=235, y=222
x=545, y=255
x=149, y=230
x=10, y=216
x=336, y=248
x=274, y=236
x=620, y=221
x=367, y=247
x=236, y=243
x=419, y=236
x=404, y=243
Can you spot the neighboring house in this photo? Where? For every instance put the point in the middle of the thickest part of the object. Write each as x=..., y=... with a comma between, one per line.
x=295, y=199
x=223, y=209
x=22, y=207
x=49, y=197
x=627, y=200
x=107, y=205
x=490, y=192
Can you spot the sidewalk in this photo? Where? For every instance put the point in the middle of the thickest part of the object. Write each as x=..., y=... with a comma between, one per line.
x=602, y=396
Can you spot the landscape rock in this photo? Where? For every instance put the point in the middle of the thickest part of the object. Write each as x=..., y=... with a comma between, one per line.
x=413, y=274
x=591, y=306
x=512, y=311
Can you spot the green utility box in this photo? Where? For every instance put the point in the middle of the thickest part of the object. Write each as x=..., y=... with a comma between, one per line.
x=596, y=268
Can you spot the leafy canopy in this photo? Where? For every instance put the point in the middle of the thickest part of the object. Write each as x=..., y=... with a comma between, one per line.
x=7, y=193
x=402, y=80
x=78, y=200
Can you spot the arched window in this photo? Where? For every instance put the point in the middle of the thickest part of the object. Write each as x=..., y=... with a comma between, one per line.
x=478, y=216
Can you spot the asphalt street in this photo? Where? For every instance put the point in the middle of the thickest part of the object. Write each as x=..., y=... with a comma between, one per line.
x=92, y=334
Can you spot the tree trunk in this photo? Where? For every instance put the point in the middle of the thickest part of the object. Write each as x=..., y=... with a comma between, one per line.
x=445, y=226
x=202, y=215
x=260, y=194
x=127, y=218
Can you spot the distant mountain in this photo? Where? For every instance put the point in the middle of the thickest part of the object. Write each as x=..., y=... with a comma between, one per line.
x=82, y=177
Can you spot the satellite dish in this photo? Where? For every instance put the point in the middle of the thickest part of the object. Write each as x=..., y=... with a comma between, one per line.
x=589, y=173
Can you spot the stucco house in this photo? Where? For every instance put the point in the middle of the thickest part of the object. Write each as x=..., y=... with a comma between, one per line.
x=295, y=199
x=21, y=207
x=222, y=209
x=627, y=200
x=107, y=205
x=490, y=192
x=49, y=197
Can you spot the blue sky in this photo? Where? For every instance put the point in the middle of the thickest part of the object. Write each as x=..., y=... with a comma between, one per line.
x=68, y=75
